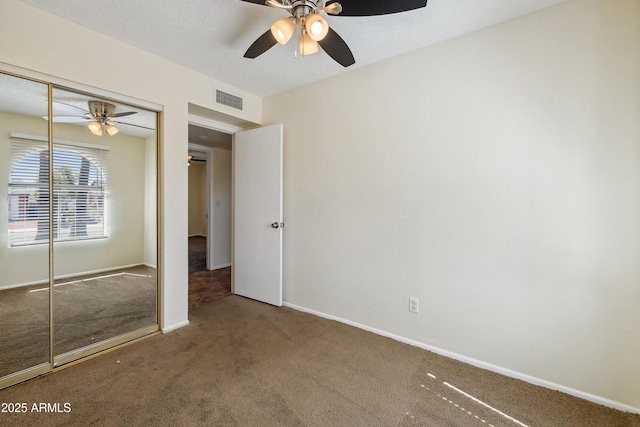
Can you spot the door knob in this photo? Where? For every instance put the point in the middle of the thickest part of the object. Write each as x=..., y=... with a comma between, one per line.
x=275, y=225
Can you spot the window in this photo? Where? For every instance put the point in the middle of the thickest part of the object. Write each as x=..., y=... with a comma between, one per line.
x=78, y=191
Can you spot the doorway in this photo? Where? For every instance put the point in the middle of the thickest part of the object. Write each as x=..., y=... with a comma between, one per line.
x=210, y=188
x=256, y=232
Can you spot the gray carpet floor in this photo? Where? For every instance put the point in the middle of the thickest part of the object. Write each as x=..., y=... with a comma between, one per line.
x=244, y=363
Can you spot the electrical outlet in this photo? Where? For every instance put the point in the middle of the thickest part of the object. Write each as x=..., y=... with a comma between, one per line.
x=413, y=304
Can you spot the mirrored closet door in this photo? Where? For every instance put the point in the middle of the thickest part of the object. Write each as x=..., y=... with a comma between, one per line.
x=78, y=268
x=24, y=228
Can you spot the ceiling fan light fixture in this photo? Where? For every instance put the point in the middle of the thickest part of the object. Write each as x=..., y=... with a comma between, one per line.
x=308, y=46
x=316, y=26
x=95, y=128
x=111, y=130
x=282, y=30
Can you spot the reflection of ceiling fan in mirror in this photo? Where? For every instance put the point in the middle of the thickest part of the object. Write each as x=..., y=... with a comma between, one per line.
x=100, y=117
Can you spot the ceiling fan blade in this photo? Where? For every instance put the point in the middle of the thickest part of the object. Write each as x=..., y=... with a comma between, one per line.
x=67, y=119
x=68, y=108
x=129, y=124
x=261, y=45
x=337, y=48
x=376, y=7
x=262, y=2
x=126, y=113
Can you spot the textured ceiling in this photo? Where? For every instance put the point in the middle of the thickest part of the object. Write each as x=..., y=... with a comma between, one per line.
x=211, y=36
x=209, y=137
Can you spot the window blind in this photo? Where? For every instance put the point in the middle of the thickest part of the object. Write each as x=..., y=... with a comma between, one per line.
x=79, y=192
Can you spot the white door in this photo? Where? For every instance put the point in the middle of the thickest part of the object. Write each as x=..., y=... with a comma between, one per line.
x=257, y=225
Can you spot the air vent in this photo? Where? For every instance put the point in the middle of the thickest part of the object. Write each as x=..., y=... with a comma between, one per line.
x=228, y=100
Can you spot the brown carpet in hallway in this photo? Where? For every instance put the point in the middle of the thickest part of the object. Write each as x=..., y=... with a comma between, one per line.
x=197, y=253
x=243, y=363
x=207, y=286
x=204, y=285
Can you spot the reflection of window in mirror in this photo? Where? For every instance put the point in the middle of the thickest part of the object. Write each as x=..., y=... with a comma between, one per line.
x=78, y=186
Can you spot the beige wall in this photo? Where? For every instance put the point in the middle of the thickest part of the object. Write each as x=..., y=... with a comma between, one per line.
x=125, y=211
x=40, y=44
x=496, y=177
x=198, y=199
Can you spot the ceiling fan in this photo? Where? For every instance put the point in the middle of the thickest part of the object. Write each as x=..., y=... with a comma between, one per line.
x=195, y=158
x=100, y=115
x=314, y=29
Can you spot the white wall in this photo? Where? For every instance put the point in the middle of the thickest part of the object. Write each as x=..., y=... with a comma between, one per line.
x=125, y=214
x=198, y=199
x=222, y=207
x=34, y=40
x=496, y=177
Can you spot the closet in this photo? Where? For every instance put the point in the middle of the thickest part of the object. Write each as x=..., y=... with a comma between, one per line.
x=78, y=224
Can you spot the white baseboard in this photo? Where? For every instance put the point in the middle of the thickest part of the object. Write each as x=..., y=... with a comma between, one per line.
x=65, y=276
x=176, y=326
x=20, y=285
x=474, y=362
x=218, y=267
